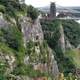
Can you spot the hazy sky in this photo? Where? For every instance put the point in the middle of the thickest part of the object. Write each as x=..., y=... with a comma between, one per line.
x=40, y=3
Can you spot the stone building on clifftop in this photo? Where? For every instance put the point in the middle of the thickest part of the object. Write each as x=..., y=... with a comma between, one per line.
x=52, y=10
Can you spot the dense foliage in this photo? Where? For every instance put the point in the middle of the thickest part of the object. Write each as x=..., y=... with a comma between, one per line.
x=32, y=12
x=12, y=9
x=12, y=6
x=72, y=31
x=11, y=36
x=37, y=57
x=52, y=35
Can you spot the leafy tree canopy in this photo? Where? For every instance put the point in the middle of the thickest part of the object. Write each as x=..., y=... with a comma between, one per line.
x=32, y=12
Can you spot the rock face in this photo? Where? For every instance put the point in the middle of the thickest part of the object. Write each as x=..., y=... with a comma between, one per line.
x=54, y=66
x=33, y=31
x=3, y=23
x=68, y=45
x=62, y=40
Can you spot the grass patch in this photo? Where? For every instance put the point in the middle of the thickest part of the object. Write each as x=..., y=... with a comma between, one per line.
x=5, y=49
x=74, y=56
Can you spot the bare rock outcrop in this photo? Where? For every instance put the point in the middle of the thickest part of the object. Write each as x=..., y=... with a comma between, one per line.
x=33, y=31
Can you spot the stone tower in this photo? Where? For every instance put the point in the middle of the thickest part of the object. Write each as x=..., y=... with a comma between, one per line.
x=52, y=10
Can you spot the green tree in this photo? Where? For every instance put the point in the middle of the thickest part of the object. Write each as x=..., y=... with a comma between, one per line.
x=13, y=9
x=32, y=12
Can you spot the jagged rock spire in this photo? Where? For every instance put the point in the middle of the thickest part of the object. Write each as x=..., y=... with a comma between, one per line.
x=61, y=40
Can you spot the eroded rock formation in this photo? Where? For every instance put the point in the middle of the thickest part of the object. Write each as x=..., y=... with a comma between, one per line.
x=33, y=31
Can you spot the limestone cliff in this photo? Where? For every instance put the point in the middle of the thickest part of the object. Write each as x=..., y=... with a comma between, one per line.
x=42, y=59
x=32, y=31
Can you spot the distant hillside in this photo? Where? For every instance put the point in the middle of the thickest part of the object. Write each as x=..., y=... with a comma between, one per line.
x=61, y=9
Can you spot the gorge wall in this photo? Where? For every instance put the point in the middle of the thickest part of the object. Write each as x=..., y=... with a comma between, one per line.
x=32, y=31
x=40, y=56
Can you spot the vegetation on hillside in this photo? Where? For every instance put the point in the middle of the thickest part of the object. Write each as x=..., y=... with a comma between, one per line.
x=72, y=31
x=67, y=64
x=32, y=12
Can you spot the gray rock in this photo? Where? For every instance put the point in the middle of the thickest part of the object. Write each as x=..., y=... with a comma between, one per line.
x=31, y=31
x=3, y=23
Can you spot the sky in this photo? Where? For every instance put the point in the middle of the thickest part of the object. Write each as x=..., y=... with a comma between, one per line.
x=41, y=3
